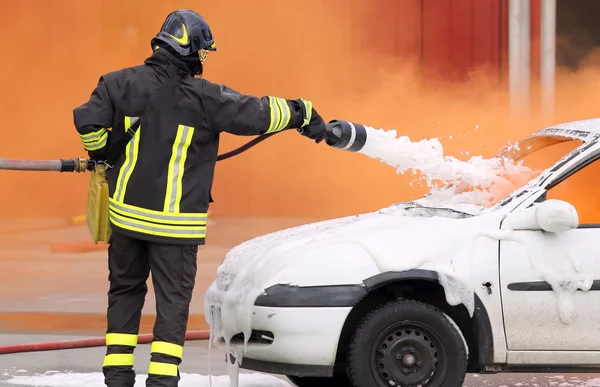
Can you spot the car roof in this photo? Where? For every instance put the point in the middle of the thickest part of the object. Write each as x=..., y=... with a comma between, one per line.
x=584, y=130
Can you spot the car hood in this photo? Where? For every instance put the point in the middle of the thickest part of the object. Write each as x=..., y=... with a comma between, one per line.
x=400, y=237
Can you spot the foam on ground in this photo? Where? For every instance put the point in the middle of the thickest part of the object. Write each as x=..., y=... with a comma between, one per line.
x=96, y=379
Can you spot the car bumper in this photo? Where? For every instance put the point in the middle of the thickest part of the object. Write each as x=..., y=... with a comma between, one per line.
x=292, y=341
x=296, y=330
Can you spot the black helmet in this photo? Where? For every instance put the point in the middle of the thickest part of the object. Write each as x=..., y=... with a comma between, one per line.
x=186, y=32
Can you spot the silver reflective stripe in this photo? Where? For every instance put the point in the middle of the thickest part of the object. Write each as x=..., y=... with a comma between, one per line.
x=175, y=190
x=200, y=219
x=192, y=231
x=132, y=121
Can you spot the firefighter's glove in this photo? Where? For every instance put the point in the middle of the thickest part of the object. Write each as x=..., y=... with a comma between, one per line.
x=97, y=155
x=312, y=125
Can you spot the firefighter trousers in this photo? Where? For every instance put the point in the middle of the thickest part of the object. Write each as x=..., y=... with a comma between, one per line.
x=173, y=268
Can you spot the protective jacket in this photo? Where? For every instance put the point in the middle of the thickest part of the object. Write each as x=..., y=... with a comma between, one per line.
x=160, y=188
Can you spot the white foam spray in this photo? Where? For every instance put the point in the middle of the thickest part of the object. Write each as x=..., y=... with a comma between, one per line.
x=427, y=157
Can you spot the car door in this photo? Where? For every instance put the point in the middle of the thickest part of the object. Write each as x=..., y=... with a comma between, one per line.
x=540, y=274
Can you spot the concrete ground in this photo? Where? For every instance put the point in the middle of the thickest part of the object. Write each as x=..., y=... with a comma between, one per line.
x=52, y=294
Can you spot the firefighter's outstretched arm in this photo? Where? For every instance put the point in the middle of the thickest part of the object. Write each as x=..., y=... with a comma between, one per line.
x=232, y=112
x=93, y=119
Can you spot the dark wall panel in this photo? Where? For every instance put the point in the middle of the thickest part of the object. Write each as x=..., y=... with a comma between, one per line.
x=459, y=35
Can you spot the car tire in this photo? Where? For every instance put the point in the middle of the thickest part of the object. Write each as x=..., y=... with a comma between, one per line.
x=337, y=380
x=406, y=343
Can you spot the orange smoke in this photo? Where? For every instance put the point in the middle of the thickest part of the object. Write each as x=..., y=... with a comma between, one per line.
x=290, y=49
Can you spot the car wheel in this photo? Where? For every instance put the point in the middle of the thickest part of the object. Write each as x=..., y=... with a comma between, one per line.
x=406, y=343
x=337, y=380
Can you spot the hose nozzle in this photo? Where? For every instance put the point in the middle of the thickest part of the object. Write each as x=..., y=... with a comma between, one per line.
x=345, y=135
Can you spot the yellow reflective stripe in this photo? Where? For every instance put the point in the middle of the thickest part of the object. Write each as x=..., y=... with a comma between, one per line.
x=94, y=141
x=308, y=105
x=121, y=339
x=157, y=229
x=131, y=155
x=177, y=168
x=165, y=226
x=285, y=113
x=165, y=348
x=192, y=219
x=165, y=369
x=95, y=146
x=93, y=136
x=118, y=359
x=274, y=115
x=280, y=114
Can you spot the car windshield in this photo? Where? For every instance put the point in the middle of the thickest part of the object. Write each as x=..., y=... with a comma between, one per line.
x=524, y=161
x=533, y=155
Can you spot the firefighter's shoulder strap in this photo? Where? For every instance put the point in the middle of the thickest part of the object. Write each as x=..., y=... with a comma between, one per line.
x=120, y=147
x=97, y=212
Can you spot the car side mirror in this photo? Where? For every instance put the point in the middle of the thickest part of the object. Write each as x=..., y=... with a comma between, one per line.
x=550, y=215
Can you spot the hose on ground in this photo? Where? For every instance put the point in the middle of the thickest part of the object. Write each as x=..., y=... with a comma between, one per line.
x=87, y=343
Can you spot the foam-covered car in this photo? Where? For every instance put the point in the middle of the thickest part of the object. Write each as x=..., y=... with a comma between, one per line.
x=421, y=293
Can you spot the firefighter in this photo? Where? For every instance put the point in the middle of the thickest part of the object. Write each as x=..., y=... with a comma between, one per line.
x=160, y=189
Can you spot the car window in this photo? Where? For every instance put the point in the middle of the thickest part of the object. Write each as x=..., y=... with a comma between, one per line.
x=581, y=190
x=547, y=156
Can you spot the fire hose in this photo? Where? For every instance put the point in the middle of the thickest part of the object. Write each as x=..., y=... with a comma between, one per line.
x=82, y=165
x=87, y=343
x=340, y=134
x=343, y=135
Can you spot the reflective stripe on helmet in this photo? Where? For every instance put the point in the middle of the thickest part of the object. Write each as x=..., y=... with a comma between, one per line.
x=187, y=32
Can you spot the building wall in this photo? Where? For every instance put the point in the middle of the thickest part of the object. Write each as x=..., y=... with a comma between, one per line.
x=331, y=51
x=460, y=35
x=449, y=37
